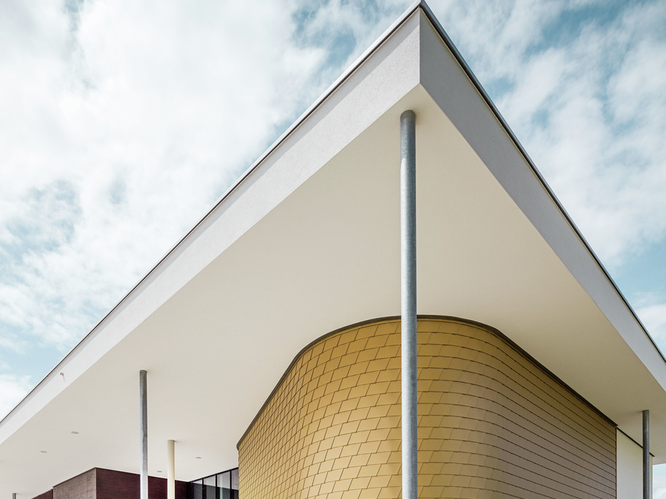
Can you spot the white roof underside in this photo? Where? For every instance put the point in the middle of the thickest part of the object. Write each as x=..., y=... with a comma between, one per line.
x=307, y=243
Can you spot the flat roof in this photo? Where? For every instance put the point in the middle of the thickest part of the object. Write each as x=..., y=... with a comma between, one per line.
x=306, y=242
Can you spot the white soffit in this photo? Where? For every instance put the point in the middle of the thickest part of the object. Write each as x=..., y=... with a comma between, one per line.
x=308, y=243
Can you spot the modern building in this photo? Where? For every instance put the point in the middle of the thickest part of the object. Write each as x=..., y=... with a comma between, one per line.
x=270, y=333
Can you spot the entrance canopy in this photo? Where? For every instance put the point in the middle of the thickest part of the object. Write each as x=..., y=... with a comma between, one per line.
x=308, y=242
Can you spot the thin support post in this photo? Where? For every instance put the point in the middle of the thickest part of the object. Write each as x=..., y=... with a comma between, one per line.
x=647, y=469
x=408, y=303
x=143, y=415
x=171, y=470
x=13, y=495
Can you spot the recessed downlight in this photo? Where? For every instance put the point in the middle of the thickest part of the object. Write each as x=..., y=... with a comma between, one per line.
x=43, y=451
x=159, y=471
x=198, y=457
x=75, y=433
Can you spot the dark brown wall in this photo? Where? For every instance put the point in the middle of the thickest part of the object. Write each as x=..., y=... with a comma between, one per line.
x=119, y=485
x=100, y=483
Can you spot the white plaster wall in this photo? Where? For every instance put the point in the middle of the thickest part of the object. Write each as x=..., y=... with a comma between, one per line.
x=629, y=468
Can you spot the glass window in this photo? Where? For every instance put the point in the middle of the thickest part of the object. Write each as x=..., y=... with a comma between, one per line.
x=209, y=487
x=221, y=486
x=197, y=490
x=224, y=485
x=234, y=479
x=224, y=480
x=234, y=484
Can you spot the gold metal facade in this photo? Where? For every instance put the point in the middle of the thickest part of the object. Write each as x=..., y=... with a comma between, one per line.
x=492, y=423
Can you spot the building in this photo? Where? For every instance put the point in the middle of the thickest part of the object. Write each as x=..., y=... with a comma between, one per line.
x=270, y=332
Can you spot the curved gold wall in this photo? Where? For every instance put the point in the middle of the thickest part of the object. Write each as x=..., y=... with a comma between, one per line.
x=492, y=423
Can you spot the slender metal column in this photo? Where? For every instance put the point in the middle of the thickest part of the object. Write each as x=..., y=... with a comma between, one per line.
x=143, y=414
x=171, y=470
x=13, y=495
x=647, y=469
x=408, y=305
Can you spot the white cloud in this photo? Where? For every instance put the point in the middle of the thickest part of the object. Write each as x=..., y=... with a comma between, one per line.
x=654, y=318
x=348, y=28
x=587, y=104
x=495, y=35
x=120, y=124
x=601, y=148
x=12, y=391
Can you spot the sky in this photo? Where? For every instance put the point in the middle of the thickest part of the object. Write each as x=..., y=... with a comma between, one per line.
x=122, y=122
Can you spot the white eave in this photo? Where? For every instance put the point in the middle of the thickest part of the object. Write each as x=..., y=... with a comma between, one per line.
x=308, y=242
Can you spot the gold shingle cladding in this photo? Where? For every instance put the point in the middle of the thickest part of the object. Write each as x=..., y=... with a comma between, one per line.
x=491, y=422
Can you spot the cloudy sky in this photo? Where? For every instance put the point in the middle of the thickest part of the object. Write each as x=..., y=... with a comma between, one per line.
x=121, y=123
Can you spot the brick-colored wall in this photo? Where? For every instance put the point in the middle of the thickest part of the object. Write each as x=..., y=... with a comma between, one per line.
x=82, y=486
x=119, y=485
x=99, y=483
x=492, y=423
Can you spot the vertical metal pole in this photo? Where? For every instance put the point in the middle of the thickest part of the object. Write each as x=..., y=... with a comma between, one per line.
x=408, y=303
x=143, y=414
x=13, y=495
x=647, y=469
x=171, y=470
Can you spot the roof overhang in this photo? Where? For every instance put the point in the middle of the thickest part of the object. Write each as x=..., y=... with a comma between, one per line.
x=308, y=242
